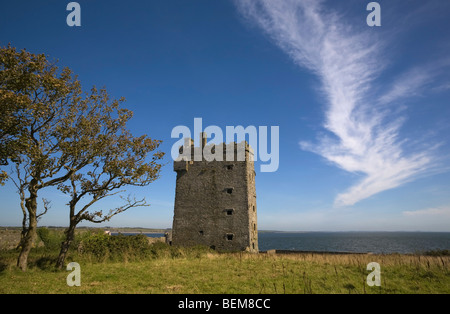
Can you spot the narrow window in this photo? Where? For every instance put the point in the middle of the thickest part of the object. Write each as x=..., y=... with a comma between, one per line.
x=200, y=232
x=253, y=207
x=253, y=245
x=254, y=227
x=230, y=236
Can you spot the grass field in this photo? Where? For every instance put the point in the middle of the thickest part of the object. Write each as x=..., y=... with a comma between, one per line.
x=177, y=270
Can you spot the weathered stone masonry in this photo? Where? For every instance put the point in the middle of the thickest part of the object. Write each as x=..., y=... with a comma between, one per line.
x=215, y=201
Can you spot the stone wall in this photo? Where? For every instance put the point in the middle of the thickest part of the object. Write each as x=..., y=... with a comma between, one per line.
x=215, y=203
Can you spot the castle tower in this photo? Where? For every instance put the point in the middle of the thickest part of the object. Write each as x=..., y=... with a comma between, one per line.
x=215, y=201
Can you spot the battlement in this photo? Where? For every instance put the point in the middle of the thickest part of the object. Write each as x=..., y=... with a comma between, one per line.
x=188, y=153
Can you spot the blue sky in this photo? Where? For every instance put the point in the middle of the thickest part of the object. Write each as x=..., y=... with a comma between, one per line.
x=363, y=111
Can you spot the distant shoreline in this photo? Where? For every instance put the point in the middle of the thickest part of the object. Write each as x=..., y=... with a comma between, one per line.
x=137, y=230
x=112, y=229
x=284, y=242
x=163, y=230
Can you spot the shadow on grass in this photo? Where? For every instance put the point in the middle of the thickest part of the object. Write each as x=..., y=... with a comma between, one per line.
x=44, y=263
x=3, y=267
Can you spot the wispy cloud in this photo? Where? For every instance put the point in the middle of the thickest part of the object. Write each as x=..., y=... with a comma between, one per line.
x=407, y=85
x=363, y=135
x=416, y=81
x=443, y=87
x=436, y=211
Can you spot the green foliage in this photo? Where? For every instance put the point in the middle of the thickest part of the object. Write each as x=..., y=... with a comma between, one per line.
x=51, y=238
x=33, y=93
x=101, y=247
x=3, y=177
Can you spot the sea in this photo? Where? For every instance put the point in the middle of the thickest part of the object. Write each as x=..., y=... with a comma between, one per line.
x=355, y=242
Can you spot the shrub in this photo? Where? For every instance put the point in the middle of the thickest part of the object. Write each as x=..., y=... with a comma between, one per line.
x=105, y=247
x=100, y=247
x=51, y=238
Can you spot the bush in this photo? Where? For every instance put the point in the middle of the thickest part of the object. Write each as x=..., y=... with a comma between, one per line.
x=105, y=247
x=100, y=247
x=51, y=238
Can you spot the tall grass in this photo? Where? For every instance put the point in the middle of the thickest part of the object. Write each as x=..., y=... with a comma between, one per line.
x=128, y=264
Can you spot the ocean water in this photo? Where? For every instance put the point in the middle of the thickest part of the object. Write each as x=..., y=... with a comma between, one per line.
x=357, y=242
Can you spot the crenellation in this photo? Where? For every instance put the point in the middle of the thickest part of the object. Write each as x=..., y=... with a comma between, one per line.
x=215, y=152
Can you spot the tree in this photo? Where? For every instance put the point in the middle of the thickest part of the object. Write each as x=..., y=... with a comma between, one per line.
x=120, y=161
x=51, y=129
x=33, y=98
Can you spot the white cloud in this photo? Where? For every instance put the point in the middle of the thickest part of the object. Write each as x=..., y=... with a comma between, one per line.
x=363, y=139
x=443, y=87
x=415, y=81
x=407, y=85
x=436, y=211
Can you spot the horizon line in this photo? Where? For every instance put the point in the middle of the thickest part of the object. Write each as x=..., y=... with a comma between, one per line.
x=262, y=230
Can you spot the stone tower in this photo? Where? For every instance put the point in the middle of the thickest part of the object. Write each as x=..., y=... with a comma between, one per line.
x=215, y=201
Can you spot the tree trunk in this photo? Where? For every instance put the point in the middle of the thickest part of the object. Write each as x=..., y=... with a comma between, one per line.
x=30, y=236
x=24, y=213
x=70, y=235
x=27, y=242
x=24, y=231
